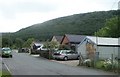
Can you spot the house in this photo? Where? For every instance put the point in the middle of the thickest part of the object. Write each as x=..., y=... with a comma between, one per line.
x=57, y=39
x=72, y=40
x=99, y=47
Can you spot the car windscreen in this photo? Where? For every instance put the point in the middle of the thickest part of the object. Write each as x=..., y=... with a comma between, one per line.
x=6, y=49
x=58, y=51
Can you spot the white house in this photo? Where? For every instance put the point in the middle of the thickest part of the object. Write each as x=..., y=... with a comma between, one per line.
x=104, y=47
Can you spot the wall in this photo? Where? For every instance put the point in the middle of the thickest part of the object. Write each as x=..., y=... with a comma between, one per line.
x=65, y=40
x=105, y=52
x=54, y=39
x=82, y=48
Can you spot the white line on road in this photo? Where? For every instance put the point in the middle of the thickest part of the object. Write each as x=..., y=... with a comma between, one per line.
x=7, y=68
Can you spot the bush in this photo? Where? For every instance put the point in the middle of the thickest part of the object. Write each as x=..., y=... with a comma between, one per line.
x=100, y=64
x=108, y=66
x=46, y=54
x=103, y=64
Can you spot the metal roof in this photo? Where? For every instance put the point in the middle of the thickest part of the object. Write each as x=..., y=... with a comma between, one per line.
x=103, y=40
x=58, y=38
x=38, y=44
x=75, y=38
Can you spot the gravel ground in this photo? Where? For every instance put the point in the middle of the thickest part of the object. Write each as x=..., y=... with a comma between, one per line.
x=69, y=62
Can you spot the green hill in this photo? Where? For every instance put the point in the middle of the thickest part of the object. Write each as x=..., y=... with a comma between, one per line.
x=85, y=24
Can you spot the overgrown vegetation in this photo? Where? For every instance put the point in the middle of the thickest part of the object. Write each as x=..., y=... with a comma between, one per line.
x=107, y=65
x=5, y=74
x=111, y=28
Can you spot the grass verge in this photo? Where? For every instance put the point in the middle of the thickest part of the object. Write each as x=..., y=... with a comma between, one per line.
x=5, y=74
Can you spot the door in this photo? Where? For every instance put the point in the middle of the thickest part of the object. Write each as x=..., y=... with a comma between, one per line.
x=74, y=55
x=69, y=54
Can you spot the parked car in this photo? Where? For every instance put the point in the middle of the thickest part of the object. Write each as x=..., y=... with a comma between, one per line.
x=35, y=48
x=65, y=54
x=6, y=52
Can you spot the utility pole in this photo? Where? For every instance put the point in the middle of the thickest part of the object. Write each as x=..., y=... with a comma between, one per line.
x=1, y=39
x=118, y=38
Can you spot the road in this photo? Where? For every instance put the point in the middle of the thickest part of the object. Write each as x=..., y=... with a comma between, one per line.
x=25, y=64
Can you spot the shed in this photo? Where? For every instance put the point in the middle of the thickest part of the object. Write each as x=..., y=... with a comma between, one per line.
x=101, y=46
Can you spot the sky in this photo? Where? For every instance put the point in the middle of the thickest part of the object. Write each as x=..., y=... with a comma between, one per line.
x=18, y=14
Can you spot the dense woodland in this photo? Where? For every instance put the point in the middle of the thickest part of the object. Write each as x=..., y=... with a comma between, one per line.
x=92, y=23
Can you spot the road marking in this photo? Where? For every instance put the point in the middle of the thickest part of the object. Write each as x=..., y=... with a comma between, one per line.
x=7, y=68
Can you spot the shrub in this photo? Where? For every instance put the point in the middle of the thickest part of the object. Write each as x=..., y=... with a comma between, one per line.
x=100, y=64
x=108, y=66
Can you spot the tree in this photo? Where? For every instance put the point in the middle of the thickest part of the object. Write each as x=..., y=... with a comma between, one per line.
x=6, y=42
x=51, y=45
x=47, y=45
x=54, y=45
x=111, y=28
x=28, y=42
x=18, y=42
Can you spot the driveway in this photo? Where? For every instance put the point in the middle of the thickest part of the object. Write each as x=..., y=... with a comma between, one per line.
x=69, y=62
x=25, y=64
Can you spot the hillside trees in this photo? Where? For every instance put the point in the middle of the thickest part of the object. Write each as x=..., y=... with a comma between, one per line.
x=111, y=28
x=84, y=24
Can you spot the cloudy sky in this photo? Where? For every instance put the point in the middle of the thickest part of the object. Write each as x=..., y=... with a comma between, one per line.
x=17, y=14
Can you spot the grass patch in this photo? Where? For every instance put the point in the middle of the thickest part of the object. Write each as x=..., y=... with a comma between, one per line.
x=5, y=74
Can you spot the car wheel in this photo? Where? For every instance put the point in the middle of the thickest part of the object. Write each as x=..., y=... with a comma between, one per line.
x=78, y=57
x=65, y=58
x=11, y=56
x=30, y=53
